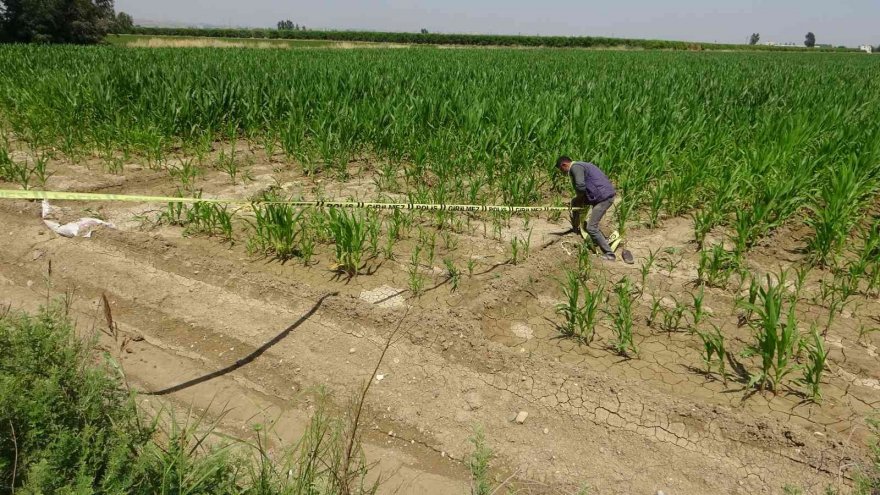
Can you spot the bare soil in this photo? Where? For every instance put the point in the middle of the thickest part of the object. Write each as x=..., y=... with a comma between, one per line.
x=225, y=331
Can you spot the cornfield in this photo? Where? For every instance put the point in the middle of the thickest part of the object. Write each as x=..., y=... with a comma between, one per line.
x=744, y=141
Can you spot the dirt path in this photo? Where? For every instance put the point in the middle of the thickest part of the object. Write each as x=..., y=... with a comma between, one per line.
x=223, y=330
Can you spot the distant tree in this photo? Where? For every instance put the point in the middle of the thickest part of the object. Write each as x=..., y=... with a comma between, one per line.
x=424, y=31
x=56, y=21
x=755, y=38
x=123, y=24
x=288, y=24
x=810, y=42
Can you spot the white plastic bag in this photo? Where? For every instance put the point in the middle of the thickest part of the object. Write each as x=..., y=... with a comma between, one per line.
x=80, y=228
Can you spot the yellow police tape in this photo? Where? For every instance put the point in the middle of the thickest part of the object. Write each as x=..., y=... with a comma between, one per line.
x=75, y=196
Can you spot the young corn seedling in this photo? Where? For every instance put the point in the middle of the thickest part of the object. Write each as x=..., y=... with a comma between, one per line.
x=801, y=274
x=585, y=261
x=185, y=173
x=713, y=345
x=580, y=309
x=815, y=364
x=698, y=313
x=776, y=341
x=277, y=230
x=593, y=302
x=716, y=267
x=672, y=257
x=520, y=246
x=209, y=219
x=416, y=279
x=453, y=273
x=656, y=308
x=571, y=308
x=11, y=171
x=39, y=170
x=672, y=317
x=645, y=269
x=471, y=264
x=622, y=323
x=704, y=221
x=374, y=229
x=428, y=242
x=349, y=235
x=864, y=331
x=837, y=211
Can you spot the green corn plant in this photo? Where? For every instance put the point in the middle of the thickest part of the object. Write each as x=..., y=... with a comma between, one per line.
x=748, y=304
x=713, y=345
x=374, y=229
x=864, y=331
x=277, y=230
x=580, y=309
x=349, y=235
x=655, y=204
x=801, y=274
x=306, y=243
x=645, y=269
x=18, y=173
x=622, y=322
x=450, y=241
x=869, y=255
x=584, y=261
x=716, y=266
x=416, y=279
x=6, y=165
x=656, y=308
x=209, y=219
x=520, y=246
x=593, y=302
x=670, y=260
x=185, y=173
x=698, y=312
x=453, y=273
x=776, y=341
x=672, y=317
x=39, y=170
x=704, y=221
x=815, y=363
x=837, y=212
x=571, y=308
x=471, y=264
x=428, y=242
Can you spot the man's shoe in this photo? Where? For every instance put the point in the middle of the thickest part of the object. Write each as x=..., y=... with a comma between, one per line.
x=627, y=257
x=609, y=257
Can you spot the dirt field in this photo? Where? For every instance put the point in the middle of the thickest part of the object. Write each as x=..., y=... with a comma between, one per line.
x=225, y=331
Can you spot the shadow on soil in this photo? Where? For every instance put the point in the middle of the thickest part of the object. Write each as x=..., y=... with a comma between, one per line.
x=247, y=359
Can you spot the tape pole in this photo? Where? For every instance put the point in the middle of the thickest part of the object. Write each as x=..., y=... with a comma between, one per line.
x=133, y=198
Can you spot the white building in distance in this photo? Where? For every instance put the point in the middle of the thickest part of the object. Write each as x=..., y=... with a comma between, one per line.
x=867, y=48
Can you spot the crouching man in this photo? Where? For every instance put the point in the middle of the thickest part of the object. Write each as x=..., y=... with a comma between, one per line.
x=592, y=188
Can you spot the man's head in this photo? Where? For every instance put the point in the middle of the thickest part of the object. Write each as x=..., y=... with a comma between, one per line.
x=563, y=163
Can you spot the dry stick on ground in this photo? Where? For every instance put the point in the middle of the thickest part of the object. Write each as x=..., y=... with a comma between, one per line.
x=114, y=333
x=352, y=437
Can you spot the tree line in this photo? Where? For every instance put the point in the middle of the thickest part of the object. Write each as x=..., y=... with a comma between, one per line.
x=427, y=38
x=60, y=21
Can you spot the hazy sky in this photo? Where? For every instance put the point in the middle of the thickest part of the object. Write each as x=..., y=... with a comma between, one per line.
x=840, y=22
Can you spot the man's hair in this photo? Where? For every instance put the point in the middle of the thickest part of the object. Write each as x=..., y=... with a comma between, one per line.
x=562, y=160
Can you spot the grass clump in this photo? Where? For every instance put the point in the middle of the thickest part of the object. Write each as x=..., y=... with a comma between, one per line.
x=65, y=422
x=69, y=426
